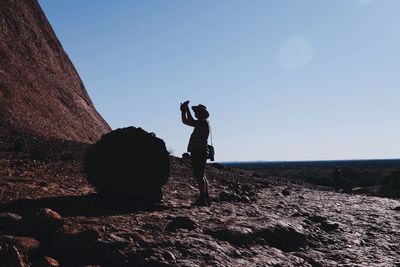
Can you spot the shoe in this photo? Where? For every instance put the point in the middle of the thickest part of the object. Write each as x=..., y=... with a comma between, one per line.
x=201, y=202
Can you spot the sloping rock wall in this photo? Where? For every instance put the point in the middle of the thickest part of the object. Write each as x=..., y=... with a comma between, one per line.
x=41, y=93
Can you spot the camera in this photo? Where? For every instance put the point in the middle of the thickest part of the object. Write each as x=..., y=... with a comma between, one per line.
x=210, y=153
x=184, y=105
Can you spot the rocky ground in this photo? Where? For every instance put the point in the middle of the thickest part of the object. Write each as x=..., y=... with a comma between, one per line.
x=50, y=216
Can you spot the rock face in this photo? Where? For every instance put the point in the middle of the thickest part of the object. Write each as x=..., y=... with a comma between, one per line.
x=41, y=93
x=128, y=161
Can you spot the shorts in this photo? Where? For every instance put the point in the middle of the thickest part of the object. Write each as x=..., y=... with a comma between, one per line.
x=199, y=159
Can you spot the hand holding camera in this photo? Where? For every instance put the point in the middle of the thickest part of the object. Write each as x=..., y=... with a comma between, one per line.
x=185, y=106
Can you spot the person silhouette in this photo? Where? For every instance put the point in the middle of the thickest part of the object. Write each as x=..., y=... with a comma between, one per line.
x=197, y=147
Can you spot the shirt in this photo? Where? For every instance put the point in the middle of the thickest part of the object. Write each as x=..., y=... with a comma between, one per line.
x=198, y=139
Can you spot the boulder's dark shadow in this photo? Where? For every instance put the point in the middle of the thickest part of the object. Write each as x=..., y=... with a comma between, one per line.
x=91, y=205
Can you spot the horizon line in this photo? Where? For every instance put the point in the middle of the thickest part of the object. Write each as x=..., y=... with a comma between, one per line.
x=307, y=160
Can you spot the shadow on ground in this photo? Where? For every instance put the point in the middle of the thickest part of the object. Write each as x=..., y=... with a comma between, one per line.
x=91, y=205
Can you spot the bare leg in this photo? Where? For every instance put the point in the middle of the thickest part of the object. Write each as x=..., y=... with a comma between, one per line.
x=202, y=182
x=205, y=186
x=198, y=165
x=201, y=185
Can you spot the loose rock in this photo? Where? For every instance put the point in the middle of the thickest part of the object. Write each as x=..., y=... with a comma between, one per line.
x=181, y=223
x=129, y=162
x=236, y=235
x=45, y=262
x=284, y=236
x=329, y=226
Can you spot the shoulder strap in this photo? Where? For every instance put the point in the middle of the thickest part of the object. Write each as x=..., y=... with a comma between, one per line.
x=209, y=127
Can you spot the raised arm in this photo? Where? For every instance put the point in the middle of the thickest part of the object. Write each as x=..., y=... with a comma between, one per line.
x=187, y=117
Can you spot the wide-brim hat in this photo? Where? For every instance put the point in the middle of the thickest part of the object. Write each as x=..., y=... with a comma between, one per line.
x=201, y=111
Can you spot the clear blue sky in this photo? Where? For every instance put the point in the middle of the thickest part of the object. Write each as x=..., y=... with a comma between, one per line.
x=283, y=80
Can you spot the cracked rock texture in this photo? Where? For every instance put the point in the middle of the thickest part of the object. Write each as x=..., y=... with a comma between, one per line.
x=311, y=226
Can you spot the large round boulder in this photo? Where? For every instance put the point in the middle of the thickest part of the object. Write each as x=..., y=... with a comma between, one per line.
x=129, y=162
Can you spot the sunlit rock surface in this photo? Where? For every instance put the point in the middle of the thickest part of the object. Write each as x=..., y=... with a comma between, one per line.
x=41, y=94
x=311, y=226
